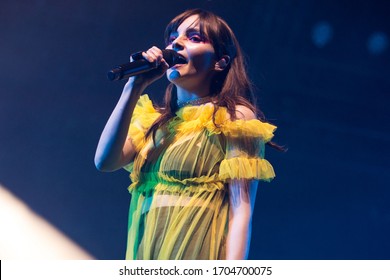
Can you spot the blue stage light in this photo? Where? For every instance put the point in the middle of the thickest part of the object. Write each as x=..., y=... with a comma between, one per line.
x=377, y=43
x=322, y=34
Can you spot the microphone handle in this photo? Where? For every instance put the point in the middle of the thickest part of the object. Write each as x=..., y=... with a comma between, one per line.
x=128, y=70
x=141, y=65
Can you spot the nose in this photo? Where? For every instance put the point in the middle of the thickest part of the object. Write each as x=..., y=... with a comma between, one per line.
x=177, y=44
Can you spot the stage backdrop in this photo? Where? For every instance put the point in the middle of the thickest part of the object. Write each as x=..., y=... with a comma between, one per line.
x=322, y=74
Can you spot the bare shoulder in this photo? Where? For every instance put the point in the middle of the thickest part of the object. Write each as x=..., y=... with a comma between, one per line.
x=244, y=113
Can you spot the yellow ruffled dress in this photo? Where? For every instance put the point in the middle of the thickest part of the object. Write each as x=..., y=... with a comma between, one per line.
x=179, y=205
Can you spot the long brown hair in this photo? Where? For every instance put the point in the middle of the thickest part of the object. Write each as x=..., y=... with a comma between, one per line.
x=230, y=87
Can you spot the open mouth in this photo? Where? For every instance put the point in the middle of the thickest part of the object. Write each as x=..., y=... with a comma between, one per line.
x=180, y=59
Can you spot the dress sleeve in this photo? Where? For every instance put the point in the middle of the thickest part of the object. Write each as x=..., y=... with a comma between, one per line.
x=144, y=116
x=245, y=145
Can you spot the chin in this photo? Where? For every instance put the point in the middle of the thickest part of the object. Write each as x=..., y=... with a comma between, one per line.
x=173, y=75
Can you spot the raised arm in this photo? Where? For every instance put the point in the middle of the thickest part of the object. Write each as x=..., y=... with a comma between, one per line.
x=115, y=149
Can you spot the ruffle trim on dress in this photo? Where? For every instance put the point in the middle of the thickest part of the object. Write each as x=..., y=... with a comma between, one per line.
x=246, y=168
x=201, y=117
x=250, y=128
x=144, y=116
x=173, y=185
x=144, y=107
x=195, y=118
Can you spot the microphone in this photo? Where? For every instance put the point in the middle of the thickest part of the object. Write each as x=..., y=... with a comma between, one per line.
x=141, y=65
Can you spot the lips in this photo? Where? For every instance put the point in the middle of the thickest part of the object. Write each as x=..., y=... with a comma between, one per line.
x=177, y=65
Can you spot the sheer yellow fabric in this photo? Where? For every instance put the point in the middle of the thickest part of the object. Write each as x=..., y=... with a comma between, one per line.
x=179, y=205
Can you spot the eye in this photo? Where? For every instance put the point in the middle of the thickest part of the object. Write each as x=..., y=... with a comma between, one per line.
x=171, y=39
x=196, y=38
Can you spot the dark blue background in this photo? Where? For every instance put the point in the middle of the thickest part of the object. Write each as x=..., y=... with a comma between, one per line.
x=330, y=199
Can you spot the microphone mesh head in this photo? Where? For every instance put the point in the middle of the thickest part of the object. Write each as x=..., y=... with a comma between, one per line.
x=172, y=57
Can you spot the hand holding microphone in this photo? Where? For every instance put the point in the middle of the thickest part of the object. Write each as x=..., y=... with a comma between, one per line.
x=141, y=65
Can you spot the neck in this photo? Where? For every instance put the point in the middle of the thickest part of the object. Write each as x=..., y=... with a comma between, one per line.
x=194, y=102
x=187, y=95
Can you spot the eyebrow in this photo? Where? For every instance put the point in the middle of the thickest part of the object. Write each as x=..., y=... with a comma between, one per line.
x=192, y=30
x=187, y=31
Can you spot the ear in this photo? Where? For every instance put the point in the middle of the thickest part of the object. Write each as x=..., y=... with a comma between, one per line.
x=221, y=64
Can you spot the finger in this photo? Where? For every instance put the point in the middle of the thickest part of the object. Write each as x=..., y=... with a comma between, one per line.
x=147, y=56
x=157, y=53
x=151, y=57
x=163, y=62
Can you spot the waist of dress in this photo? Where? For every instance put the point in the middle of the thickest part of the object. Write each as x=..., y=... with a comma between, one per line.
x=163, y=200
x=159, y=181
